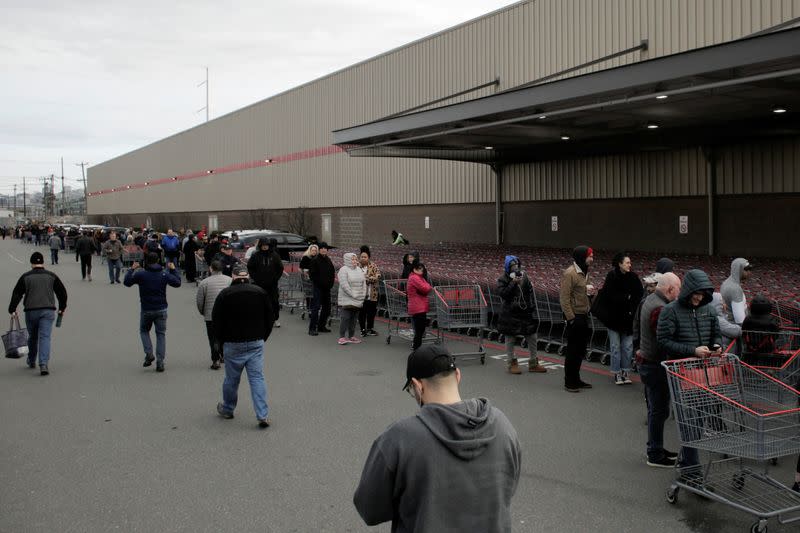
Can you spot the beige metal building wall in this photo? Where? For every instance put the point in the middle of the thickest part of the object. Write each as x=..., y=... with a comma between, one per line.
x=518, y=44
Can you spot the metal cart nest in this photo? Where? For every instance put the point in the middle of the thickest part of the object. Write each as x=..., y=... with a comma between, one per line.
x=727, y=407
x=462, y=307
x=397, y=313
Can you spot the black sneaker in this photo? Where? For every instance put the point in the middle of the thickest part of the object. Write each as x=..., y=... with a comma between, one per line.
x=159, y=367
x=571, y=388
x=148, y=360
x=372, y=333
x=313, y=332
x=215, y=365
x=663, y=462
x=363, y=333
x=227, y=415
x=43, y=370
x=31, y=364
x=584, y=385
x=323, y=330
x=263, y=423
x=671, y=455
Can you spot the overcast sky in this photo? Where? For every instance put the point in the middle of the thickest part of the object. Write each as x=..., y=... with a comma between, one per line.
x=91, y=80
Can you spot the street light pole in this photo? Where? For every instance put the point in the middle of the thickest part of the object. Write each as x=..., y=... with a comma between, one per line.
x=82, y=164
x=206, y=84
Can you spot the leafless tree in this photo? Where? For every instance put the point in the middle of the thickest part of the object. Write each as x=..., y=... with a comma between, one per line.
x=260, y=219
x=298, y=220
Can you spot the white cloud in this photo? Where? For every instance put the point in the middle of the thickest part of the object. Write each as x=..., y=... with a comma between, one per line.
x=90, y=80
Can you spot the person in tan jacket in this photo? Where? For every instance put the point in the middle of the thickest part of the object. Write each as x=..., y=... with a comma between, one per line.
x=574, y=298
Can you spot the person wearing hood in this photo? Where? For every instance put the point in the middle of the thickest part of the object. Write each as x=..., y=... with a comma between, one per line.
x=152, y=282
x=574, y=299
x=731, y=290
x=759, y=329
x=266, y=268
x=417, y=290
x=615, y=307
x=352, y=292
x=190, y=248
x=518, y=315
x=729, y=331
x=454, y=466
x=372, y=275
x=322, y=274
x=688, y=327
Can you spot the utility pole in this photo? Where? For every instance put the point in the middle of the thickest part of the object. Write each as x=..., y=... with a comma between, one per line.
x=206, y=84
x=15, y=200
x=24, y=200
x=83, y=164
x=63, y=198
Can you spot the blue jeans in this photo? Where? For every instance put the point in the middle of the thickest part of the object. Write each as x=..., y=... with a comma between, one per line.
x=114, y=268
x=54, y=256
x=146, y=321
x=40, y=326
x=621, y=351
x=240, y=356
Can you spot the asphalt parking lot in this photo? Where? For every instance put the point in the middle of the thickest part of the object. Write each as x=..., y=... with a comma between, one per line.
x=103, y=444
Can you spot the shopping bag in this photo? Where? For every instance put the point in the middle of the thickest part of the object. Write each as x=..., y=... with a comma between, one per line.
x=16, y=340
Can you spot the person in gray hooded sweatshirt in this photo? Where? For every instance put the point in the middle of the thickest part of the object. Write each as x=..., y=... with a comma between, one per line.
x=454, y=466
x=732, y=293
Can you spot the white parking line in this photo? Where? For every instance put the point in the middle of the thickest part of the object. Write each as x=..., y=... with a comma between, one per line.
x=14, y=258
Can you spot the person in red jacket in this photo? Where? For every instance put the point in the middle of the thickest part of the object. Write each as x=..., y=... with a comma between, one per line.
x=417, y=291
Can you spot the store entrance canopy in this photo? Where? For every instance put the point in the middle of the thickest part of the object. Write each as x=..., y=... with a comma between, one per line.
x=707, y=96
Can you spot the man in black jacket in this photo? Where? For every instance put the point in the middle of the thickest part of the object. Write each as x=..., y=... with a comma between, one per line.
x=227, y=259
x=322, y=274
x=84, y=249
x=38, y=286
x=266, y=268
x=518, y=315
x=242, y=321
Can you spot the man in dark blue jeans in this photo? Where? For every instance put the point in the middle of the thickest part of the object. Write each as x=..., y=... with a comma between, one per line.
x=654, y=377
x=38, y=287
x=153, y=281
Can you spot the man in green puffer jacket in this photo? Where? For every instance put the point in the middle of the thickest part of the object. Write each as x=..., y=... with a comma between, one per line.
x=688, y=327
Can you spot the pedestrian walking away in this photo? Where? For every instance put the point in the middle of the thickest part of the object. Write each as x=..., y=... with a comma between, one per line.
x=190, y=248
x=454, y=454
x=574, y=299
x=113, y=249
x=242, y=319
x=352, y=292
x=417, y=290
x=152, y=281
x=688, y=327
x=322, y=274
x=84, y=250
x=266, y=268
x=615, y=306
x=40, y=288
x=372, y=275
x=518, y=315
x=55, y=246
x=207, y=293
x=653, y=375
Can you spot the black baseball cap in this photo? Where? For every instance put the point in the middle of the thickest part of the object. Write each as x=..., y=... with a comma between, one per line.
x=37, y=258
x=427, y=361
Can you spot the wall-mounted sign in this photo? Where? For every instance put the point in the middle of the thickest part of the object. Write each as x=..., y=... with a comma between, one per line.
x=683, y=224
x=553, y=223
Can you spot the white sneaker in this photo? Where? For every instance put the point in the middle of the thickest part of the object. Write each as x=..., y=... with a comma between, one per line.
x=625, y=379
x=618, y=380
x=276, y=324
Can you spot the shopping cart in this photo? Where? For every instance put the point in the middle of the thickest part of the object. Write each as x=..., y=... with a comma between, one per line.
x=775, y=353
x=131, y=257
x=397, y=313
x=290, y=290
x=462, y=306
x=202, y=268
x=727, y=407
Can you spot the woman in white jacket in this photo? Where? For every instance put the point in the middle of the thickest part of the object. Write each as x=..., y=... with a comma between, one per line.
x=352, y=292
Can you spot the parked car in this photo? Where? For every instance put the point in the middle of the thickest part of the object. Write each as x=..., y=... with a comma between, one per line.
x=287, y=242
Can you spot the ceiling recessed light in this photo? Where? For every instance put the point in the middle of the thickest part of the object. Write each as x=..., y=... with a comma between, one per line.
x=209, y=171
x=542, y=117
x=488, y=147
x=652, y=126
x=779, y=110
x=147, y=183
x=113, y=190
x=268, y=161
x=127, y=186
x=662, y=97
x=174, y=178
x=565, y=137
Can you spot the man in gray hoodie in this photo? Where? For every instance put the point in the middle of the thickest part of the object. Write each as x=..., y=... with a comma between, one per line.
x=454, y=466
x=732, y=293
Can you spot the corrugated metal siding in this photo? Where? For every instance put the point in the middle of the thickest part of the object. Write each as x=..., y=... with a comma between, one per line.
x=653, y=174
x=763, y=168
x=519, y=44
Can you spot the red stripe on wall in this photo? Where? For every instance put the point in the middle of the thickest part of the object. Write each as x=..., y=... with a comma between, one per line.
x=288, y=158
